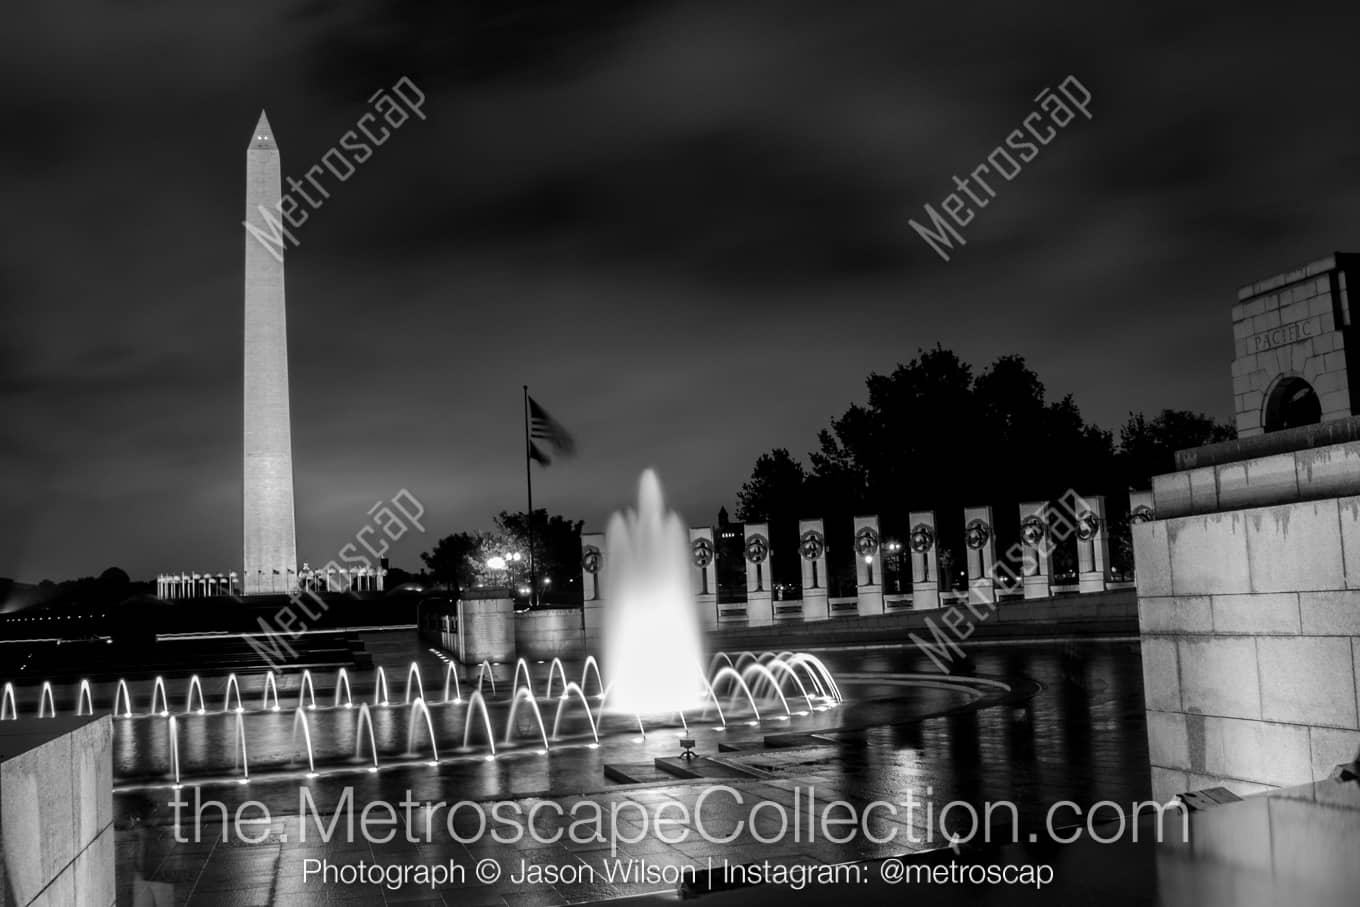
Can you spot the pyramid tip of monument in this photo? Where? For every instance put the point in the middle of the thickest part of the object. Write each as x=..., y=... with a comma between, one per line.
x=263, y=136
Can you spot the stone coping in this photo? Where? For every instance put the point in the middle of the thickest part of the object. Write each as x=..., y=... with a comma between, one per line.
x=1312, y=269
x=1304, y=437
x=1291, y=476
x=24, y=734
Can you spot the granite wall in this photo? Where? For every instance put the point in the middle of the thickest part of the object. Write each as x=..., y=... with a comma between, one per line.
x=56, y=812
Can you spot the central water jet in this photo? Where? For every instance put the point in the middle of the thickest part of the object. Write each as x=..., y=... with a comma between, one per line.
x=651, y=629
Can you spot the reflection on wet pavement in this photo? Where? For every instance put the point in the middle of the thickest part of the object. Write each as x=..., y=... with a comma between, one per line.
x=1079, y=737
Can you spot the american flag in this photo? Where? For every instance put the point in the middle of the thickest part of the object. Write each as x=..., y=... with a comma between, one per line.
x=544, y=427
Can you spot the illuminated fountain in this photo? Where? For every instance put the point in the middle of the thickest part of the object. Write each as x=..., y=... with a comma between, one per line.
x=556, y=668
x=420, y=710
x=380, y=696
x=300, y=721
x=475, y=703
x=522, y=666
x=525, y=694
x=365, y=721
x=158, y=695
x=414, y=671
x=174, y=748
x=451, y=674
x=309, y=689
x=342, y=682
x=270, y=686
x=745, y=688
x=241, y=738
x=651, y=631
x=232, y=684
x=562, y=704
x=484, y=671
x=84, y=699
x=194, y=684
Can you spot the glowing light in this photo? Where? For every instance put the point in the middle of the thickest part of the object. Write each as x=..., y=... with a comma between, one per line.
x=651, y=630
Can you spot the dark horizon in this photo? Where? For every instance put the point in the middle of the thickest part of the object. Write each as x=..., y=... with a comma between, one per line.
x=665, y=208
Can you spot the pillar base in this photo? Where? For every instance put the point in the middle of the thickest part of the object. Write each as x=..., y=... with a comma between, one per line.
x=1092, y=582
x=759, y=609
x=815, y=605
x=982, y=590
x=870, y=600
x=925, y=596
x=706, y=605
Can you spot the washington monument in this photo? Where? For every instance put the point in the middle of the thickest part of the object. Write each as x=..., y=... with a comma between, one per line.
x=269, y=535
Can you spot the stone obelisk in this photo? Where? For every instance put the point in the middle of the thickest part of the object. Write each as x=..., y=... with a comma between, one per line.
x=270, y=540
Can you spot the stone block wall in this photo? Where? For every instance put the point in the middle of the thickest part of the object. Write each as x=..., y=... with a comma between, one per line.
x=553, y=633
x=1250, y=621
x=1293, y=325
x=486, y=630
x=56, y=812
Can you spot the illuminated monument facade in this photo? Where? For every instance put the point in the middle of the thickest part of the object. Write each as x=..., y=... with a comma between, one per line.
x=269, y=536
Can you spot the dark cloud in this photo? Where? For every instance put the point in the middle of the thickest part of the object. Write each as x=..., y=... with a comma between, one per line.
x=683, y=223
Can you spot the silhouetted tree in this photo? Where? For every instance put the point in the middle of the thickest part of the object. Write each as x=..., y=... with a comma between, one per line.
x=461, y=558
x=932, y=435
x=557, y=552
x=1148, y=448
x=453, y=559
x=114, y=578
x=777, y=489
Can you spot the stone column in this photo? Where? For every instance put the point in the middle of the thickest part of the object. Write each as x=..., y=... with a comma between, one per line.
x=868, y=566
x=1093, y=546
x=486, y=626
x=1036, y=540
x=980, y=544
x=812, y=553
x=592, y=590
x=1140, y=507
x=925, y=561
x=759, y=586
x=703, y=554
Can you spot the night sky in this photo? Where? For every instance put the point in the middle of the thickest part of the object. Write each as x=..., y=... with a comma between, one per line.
x=684, y=225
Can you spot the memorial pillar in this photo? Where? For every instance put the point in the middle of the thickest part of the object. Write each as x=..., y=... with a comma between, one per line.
x=592, y=591
x=1093, y=546
x=703, y=556
x=759, y=586
x=980, y=544
x=1037, y=544
x=868, y=566
x=925, y=561
x=812, y=552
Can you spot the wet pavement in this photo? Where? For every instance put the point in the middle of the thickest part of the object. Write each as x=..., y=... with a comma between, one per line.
x=1080, y=736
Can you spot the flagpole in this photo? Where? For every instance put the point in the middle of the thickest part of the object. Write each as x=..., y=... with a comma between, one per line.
x=529, y=485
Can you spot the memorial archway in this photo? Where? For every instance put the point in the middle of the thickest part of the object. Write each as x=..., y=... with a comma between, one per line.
x=1292, y=402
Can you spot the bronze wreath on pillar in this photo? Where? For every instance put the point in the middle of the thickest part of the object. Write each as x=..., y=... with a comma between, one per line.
x=1141, y=514
x=702, y=551
x=757, y=548
x=1033, y=530
x=590, y=559
x=811, y=545
x=1088, y=524
x=976, y=534
x=922, y=538
x=866, y=542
